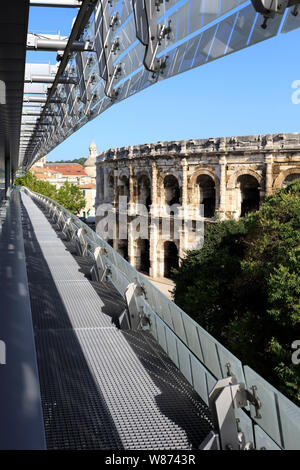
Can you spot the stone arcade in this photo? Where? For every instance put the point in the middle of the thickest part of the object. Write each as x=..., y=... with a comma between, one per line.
x=229, y=176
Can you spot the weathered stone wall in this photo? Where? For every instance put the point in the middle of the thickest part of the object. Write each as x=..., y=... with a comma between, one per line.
x=229, y=176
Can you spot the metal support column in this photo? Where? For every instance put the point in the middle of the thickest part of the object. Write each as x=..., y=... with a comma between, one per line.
x=7, y=174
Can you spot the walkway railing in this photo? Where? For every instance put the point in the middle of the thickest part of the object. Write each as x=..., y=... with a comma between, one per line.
x=248, y=411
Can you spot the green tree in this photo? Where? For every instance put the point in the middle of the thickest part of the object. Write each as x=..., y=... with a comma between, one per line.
x=42, y=187
x=71, y=197
x=68, y=196
x=243, y=287
x=80, y=160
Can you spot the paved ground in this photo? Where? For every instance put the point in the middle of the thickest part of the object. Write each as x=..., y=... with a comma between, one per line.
x=163, y=284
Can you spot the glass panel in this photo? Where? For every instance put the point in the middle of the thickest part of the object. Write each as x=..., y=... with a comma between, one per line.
x=204, y=46
x=265, y=392
x=188, y=59
x=200, y=379
x=263, y=441
x=175, y=313
x=177, y=59
x=127, y=34
x=196, y=17
x=209, y=351
x=169, y=62
x=124, y=9
x=221, y=38
x=183, y=21
x=260, y=34
x=170, y=3
x=245, y=425
x=291, y=21
x=211, y=11
x=242, y=29
x=236, y=366
x=227, y=5
x=290, y=422
x=192, y=338
x=184, y=361
x=161, y=335
x=172, y=348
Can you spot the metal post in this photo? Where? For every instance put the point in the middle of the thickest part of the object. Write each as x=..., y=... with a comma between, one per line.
x=7, y=175
x=56, y=3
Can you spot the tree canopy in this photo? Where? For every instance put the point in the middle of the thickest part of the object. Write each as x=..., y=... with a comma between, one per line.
x=80, y=160
x=243, y=287
x=68, y=195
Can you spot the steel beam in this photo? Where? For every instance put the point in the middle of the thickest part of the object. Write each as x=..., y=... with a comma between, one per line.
x=40, y=99
x=56, y=4
x=37, y=43
x=81, y=20
x=50, y=79
x=34, y=99
x=7, y=174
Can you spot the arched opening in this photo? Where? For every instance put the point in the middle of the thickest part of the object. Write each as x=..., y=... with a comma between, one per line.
x=144, y=191
x=143, y=256
x=290, y=178
x=110, y=185
x=172, y=191
x=249, y=194
x=124, y=186
x=171, y=259
x=207, y=194
x=123, y=249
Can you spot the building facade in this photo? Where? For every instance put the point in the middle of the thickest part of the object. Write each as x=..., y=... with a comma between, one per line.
x=83, y=176
x=227, y=176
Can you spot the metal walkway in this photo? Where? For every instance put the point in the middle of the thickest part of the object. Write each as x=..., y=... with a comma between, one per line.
x=101, y=387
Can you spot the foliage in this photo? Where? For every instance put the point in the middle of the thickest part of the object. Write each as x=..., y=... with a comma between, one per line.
x=243, y=287
x=81, y=161
x=69, y=195
x=37, y=185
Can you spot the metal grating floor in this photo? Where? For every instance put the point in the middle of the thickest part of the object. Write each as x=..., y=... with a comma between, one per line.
x=101, y=387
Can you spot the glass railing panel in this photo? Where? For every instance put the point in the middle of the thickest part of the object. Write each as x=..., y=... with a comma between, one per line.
x=263, y=441
x=269, y=421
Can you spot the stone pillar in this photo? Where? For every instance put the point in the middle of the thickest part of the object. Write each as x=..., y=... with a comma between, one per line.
x=105, y=184
x=222, y=207
x=183, y=242
x=184, y=198
x=99, y=189
x=154, y=225
x=185, y=212
x=153, y=231
x=154, y=184
x=269, y=174
x=131, y=256
x=116, y=187
x=131, y=184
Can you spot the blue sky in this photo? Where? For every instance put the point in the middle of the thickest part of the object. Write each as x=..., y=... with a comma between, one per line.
x=249, y=92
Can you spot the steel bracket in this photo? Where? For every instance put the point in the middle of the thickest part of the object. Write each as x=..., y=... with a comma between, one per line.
x=270, y=8
x=224, y=399
x=138, y=318
x=149, y=32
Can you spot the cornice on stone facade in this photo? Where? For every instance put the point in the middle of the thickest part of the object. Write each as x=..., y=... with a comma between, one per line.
x=266, y=143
